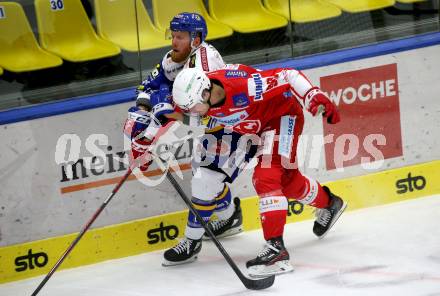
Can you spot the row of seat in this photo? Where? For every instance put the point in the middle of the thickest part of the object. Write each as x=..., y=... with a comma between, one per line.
x=65, y=31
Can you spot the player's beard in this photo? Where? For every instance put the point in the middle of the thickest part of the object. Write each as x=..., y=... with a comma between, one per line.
x=181, y=56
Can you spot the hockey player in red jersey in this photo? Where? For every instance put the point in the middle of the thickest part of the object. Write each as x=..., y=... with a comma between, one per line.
x=268, y=104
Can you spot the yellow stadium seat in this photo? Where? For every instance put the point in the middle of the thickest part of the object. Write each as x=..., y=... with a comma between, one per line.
x=245, y=16
x=354, y=6
x=19, y=50
x=303, y=11
x=65, y=30
x=410, y=1
x=1, y=71
x=116, y=22
x=164, y=11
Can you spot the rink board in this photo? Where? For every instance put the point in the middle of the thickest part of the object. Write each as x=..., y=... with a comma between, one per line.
x=145, y=235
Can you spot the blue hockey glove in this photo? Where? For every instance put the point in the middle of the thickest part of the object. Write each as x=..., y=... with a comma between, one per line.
x=161, y=102
x=138, y=128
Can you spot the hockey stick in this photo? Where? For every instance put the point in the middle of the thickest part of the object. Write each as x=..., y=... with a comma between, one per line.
x=83, y=231
x=252, y=284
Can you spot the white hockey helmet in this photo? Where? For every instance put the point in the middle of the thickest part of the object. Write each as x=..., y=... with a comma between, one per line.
x=188, y=88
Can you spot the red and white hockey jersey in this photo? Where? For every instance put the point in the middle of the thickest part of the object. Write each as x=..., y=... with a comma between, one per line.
x=255, y=97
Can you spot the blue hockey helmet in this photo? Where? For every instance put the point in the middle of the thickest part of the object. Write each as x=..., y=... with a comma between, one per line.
x=190, y=22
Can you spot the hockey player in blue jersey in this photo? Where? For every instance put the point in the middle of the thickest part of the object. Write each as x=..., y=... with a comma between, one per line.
x=188, y=32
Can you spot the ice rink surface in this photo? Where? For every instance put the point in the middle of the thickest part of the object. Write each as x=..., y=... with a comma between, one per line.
x=387, y=250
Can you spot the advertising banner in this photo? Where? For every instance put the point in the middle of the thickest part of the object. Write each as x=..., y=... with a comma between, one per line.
x=368, y=102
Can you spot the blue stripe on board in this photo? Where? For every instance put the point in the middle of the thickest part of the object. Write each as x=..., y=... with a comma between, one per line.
x=66, y=106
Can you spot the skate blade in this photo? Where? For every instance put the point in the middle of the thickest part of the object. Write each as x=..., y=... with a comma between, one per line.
x=344, y=206
x=167, y=263
x=279, y=267
x=230, y=232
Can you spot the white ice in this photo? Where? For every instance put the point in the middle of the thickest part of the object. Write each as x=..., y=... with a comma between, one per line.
x=387, y=250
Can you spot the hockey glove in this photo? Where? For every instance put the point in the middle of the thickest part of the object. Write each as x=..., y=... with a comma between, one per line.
x=138, y=128
x=143, y=100
x=143, y=93
x=161, y=102
x=314, y=99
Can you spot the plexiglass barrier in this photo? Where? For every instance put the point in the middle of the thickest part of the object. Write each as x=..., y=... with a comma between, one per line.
x=57, y=49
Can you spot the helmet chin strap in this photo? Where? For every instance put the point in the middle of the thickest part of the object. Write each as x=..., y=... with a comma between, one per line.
x=194, y=48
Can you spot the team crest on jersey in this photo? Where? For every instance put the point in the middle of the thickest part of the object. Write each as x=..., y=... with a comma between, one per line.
x=235, y=74
x=248, y=127
x=240, y=100
x=192, y=61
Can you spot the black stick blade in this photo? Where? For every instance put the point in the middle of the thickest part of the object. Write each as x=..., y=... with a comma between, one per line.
x=259, y=284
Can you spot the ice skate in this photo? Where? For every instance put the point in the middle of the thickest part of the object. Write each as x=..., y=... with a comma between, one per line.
x=227, y=227
x=272, y=260
x=185, y=251
x=326, y=217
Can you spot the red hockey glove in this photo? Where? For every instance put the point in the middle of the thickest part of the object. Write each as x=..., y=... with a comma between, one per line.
x=140, y=154
x=316, y=98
